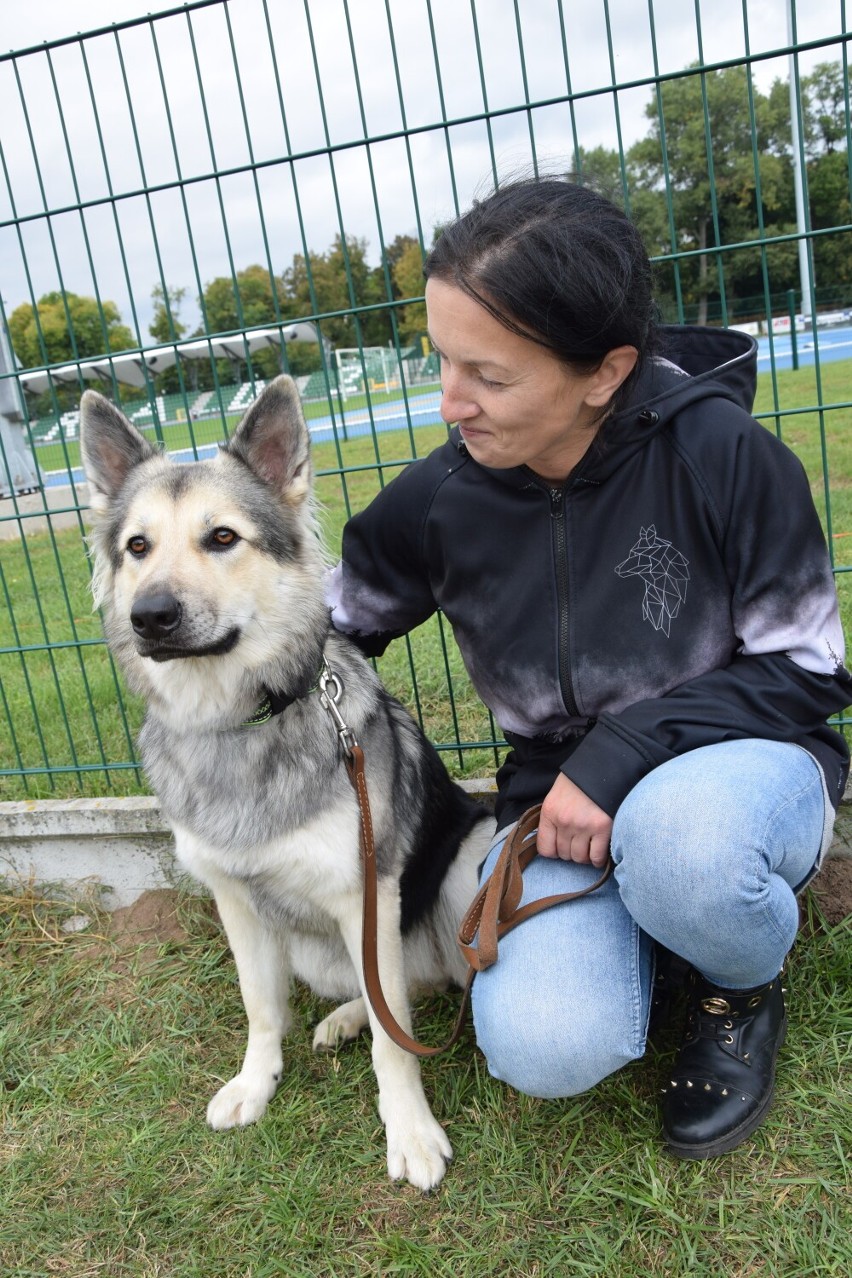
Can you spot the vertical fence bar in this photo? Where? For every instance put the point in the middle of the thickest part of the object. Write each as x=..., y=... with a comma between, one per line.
x=708, y=142
x=334, y=406
x=809, y=305
x=658, y=93
x=758, y=196
x=483, y=87
x=625, y=186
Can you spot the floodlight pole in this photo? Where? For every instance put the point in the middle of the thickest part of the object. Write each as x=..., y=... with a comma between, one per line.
x=798, y=179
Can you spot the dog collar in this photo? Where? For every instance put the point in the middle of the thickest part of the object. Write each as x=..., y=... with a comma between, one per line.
x=276, y=702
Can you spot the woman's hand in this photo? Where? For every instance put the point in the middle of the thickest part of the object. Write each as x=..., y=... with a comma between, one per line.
x=572, y=827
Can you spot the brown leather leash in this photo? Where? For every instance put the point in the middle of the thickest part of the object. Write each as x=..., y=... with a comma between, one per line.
x=493, y=912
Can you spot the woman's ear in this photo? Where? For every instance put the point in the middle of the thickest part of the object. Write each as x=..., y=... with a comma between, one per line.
x=615, y=368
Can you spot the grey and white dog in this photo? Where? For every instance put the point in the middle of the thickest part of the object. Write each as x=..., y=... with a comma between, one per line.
x=210, y=577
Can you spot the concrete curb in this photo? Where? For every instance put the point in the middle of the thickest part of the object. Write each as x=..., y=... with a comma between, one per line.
x=117, y=847
x=120, y=845
x=123, y=847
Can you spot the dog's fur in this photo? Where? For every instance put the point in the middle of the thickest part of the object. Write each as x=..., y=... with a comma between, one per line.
x=210, y=579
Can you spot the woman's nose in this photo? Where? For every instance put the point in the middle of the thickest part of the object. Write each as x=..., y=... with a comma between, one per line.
x=455, y=404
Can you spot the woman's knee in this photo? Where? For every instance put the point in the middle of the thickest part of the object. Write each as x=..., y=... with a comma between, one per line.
x=554, y=1076
x=716, y=822
x=551, y=1055
x=709, y=847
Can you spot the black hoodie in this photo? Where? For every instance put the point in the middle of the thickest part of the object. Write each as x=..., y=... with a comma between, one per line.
x=674, y=592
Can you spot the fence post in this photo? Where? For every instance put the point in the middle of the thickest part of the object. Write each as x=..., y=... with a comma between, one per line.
x=791, y=307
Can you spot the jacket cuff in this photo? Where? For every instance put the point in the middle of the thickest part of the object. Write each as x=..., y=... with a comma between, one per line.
x=607, y=765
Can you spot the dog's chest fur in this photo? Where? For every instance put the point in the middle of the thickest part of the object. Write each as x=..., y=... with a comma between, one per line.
x=297, y=880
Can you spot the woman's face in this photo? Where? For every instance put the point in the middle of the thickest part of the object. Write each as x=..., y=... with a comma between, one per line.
x=515, y=403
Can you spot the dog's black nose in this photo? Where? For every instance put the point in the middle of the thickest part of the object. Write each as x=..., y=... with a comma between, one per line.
x=155, y=616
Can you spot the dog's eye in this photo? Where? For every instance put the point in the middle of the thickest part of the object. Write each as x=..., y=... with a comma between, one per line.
x=221, y=538
x=138, y=546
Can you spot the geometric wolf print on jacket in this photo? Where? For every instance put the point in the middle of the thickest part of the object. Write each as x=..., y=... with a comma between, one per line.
x=665, y=572
x=210, y=576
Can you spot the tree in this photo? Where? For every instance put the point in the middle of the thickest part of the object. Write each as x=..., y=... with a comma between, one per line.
x=829, y=195
x=736, y=170
x=251, y=299
x=398, y=248
x=407, y=275
x=823, y=128
x=248, y=300
x=824, y=109
x=166, y=325
x=65, y=326
x=340, y=280
x=602, y=170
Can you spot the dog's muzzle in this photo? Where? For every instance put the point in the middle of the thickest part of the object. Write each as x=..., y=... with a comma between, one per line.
x=156, y=620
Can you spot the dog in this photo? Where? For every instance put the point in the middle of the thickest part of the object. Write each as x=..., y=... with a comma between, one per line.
x=210, y=580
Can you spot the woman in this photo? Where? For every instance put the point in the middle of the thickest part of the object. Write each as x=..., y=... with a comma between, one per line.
x=638, y=583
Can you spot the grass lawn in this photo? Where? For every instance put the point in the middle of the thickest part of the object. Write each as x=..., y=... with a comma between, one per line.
x=110, y=1049
x=60, y=698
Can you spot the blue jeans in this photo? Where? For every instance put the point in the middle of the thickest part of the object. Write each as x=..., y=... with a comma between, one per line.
x=710, y=850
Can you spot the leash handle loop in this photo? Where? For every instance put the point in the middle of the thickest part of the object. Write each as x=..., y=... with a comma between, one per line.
x=495, y=910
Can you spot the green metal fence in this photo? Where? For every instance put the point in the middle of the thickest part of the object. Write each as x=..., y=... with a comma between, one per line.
x=197, y=199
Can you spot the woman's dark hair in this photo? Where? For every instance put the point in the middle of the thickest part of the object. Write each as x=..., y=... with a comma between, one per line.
x=555, y=262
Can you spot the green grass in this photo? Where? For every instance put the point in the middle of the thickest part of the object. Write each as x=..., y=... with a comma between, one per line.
x=109, y=1052
x=62, y=708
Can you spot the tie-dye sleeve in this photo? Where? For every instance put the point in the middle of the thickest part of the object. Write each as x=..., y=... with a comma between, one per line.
x=784, y=598
x=380, y=589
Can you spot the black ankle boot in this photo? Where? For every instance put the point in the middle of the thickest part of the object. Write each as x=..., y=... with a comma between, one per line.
x=723, y=1079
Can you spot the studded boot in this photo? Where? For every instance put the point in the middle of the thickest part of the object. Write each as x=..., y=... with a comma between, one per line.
x=721, y=1086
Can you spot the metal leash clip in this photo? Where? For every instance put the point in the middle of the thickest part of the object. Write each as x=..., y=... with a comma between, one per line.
x=331, y=690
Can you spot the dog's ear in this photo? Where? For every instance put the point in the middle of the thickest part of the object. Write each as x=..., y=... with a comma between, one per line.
x=273, y=441
x=110, y=447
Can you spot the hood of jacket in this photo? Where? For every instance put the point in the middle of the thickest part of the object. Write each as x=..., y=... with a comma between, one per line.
x=715, y=361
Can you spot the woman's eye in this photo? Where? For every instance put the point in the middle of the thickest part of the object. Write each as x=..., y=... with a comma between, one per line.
x=137, y=546
x=223, y=537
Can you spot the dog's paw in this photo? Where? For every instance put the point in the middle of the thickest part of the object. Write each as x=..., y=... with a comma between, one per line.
x=240, y=1102
x=418, y=1151
x=344, y=1023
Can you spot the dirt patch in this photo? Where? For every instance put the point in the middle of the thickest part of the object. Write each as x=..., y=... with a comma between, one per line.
x=152, y=919
x=135, y=935
x=156, y=918
x=132, y=939
x=832, y=889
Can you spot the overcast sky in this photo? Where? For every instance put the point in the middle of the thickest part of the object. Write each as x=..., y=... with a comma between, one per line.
x=113, y=136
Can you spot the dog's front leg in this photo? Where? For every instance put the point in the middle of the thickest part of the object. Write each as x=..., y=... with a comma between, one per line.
x=264, y=983
x=418, y=1148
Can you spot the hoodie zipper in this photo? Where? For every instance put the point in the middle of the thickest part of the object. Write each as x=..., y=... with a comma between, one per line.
x=560, y=549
